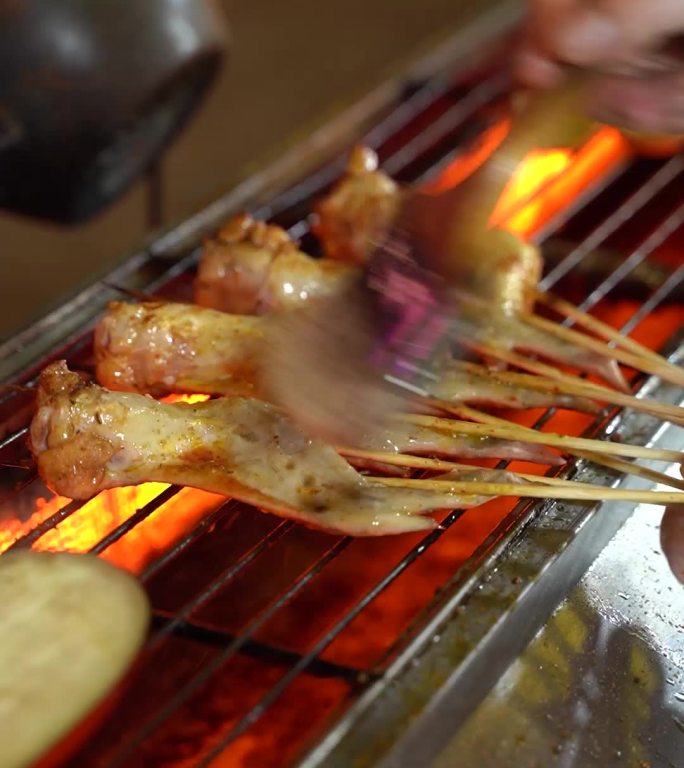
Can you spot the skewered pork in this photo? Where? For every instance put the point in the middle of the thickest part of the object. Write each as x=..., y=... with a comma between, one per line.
x=85, y=439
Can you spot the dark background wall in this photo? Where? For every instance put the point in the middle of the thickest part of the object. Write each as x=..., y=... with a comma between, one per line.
x=292, y=63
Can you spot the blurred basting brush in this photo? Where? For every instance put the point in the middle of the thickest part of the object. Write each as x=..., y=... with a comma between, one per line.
x=343, y=364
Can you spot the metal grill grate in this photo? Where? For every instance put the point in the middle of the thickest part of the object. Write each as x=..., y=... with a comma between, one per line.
x=190, y=646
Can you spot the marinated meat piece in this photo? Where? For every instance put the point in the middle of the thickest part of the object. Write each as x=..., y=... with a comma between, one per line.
x=357, y=210
x=85, y=439
x=160, y=348
x=252, y=268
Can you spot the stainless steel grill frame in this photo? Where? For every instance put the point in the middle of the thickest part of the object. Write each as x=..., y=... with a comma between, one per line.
x=460, y=642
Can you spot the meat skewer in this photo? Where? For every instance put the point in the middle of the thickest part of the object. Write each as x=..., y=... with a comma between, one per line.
x=166, y=348
x=357, y=210
x=162, y=349
x=85, y=439
x=361, y=206
x=159, y=348
x=254, y=268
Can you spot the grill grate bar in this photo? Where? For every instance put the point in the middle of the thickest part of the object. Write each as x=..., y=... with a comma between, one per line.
x=660, y=234
x=195, y=533
x=207, y=671
x=281, y=686
x=219, y=638
x=48, y=524
x=654, y=300
x=473, y=102
x=273, y=536
x=23, y=432
x=666, y=174
x=137, y=517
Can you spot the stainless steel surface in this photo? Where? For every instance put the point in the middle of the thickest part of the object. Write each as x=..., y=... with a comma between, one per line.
x=603, y=682
x=409, y=717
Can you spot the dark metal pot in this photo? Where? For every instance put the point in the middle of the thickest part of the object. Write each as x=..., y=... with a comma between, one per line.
x=91, y=93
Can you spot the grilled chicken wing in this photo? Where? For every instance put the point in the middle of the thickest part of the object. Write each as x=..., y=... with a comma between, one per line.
x=501, y=267
x=478, y=324
x=425, y=441
x=255, y=268
x=162, y=349
x=252, y=268
x=460, y=382
x=357, y=210
x=86, y=439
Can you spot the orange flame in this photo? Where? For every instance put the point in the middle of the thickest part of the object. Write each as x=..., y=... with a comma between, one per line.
x=547, y=181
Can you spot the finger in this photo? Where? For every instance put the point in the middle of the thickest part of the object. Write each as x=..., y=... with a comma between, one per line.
x=534, y=69
x=536, y=63
x=637, y=24
x=672, y=539
x=581, y=33
x=653, y=106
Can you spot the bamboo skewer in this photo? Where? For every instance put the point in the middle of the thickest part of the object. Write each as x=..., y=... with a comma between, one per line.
x=665, y=411
x=579, y=492
x=581, y=388
x=666, y=372
x=521, y=361
x=629, y=468
x=509, y=431
x=619, y=465
x=592, y=323
x=424, y=462
x=632, y=354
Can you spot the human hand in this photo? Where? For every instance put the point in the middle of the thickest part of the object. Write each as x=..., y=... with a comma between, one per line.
x=672, y=537
x=624, y=36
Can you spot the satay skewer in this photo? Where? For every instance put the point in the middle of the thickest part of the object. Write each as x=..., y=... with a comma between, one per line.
x=579, y=492
x=611, y=462
x=661, y=368
x=423, y=462
x=565, y=442
x=573, y=384
x=591, y=323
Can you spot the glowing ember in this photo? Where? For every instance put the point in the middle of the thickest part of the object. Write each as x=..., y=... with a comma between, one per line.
x=80, y=531
x=96, y=518
x=162, y=529
x=13, y=528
